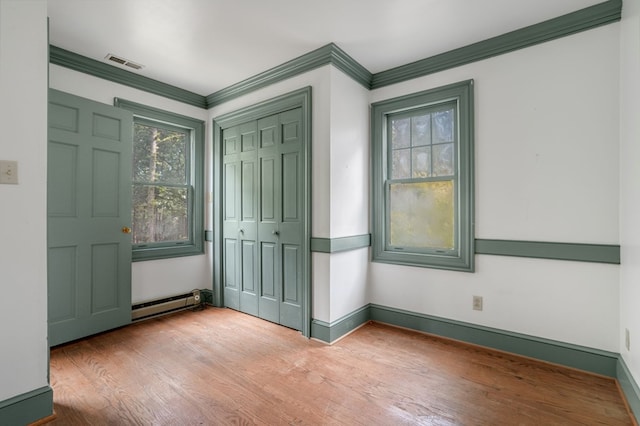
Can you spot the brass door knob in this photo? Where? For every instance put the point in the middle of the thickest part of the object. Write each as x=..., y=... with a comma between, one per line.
x=126, y=230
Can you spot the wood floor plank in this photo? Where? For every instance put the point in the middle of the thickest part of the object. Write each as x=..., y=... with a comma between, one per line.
x=219, y=367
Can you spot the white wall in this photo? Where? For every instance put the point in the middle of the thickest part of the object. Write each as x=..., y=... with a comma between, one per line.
x=157, y=278
x=349, y=193
x=630, y=183
x=23, y=232
x=547, y=163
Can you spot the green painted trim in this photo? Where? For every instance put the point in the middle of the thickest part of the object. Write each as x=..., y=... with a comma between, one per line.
x=27, y=408
x=462, y=258
x=207, y=295
x=321, y=330
x=334, y=245
x=330, y=332
x=196, y=245
x=581, y=20
x=561, y=353
x=574, y=356
x=325, y=55
x=629, y=387
x=300, y=98
x=99, y=69
x=600, y=253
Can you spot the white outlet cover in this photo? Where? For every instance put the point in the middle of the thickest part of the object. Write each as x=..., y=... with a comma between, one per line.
x=8, y=172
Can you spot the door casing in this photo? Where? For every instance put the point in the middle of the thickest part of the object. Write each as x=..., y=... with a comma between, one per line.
x=297, y=99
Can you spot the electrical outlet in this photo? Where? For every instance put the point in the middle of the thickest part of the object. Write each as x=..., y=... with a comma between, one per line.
x=627, y=340
x=9, y=172
x=477, y=303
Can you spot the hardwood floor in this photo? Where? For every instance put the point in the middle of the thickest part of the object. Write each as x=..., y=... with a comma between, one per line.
x=219, y=367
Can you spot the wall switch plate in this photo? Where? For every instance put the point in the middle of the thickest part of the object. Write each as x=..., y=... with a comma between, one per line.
x=9, y=172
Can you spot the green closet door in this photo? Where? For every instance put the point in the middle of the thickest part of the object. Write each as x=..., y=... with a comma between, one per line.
x=89, y=212
x=263, y=206
x=239, y=230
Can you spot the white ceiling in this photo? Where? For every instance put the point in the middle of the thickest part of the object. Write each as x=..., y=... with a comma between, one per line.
x=206, y=45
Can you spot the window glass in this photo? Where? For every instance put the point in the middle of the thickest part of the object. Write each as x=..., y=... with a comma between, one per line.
x=160, y=184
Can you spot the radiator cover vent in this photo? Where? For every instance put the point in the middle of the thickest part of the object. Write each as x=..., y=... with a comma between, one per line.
x=167, y=305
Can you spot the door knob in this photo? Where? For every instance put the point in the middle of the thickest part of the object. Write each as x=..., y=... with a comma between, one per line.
x=241, y=231
x=126, y=230
x=275, y=232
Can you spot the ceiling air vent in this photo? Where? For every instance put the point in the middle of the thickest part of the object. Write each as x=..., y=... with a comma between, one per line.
x=122, y=61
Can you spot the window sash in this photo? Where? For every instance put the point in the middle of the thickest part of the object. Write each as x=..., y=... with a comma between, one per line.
x=389, y=182
x=164, y=184
x=454, y=251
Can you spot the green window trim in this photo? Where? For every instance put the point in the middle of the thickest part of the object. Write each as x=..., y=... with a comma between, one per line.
x=461, y=257
x=195, y=243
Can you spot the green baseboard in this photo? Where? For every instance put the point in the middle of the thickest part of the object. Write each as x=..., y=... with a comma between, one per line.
x=629, y=387
x=592, y=360
x=331, y=332
x=27, y=408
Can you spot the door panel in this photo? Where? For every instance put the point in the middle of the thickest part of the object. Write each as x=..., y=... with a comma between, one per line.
x=265, y=173
x=89, y=202
x=105, y=193
x=291, y=220
x=231, y=196
x=62, y=270
x=247, y=231
x=270, y=196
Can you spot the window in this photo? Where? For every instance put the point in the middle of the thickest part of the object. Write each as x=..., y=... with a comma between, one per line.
x=168, y=183
x=422, y=197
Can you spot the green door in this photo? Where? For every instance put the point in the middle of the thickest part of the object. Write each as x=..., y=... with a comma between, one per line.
x=264, y=217
x=89, y=214
x=240, y=210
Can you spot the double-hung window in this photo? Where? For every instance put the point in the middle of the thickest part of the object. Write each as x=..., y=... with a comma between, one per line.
x=422, y=151
x=168, y=179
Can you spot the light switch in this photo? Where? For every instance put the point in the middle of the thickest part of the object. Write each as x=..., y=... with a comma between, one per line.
x=9, y=172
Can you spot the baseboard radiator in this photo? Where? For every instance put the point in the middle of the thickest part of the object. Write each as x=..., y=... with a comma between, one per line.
x=167, y=305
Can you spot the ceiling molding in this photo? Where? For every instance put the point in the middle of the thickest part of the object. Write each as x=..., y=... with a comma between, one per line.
x=325, y=55
x=585, y=19
x=99, y=69
x=581, y=20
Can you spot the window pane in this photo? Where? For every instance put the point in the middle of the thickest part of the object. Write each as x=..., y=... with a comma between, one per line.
x=160, y=214
x=421, y=162
x=400, y=133
x=422, y=215
x=443, y=160
x=159, y=155
x=421, y=130
x=401, y=164
x=443, y=126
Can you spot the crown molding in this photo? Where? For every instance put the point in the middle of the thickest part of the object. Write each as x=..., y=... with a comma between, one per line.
x=76, y=62
x=581, y=20
x=325, y=55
